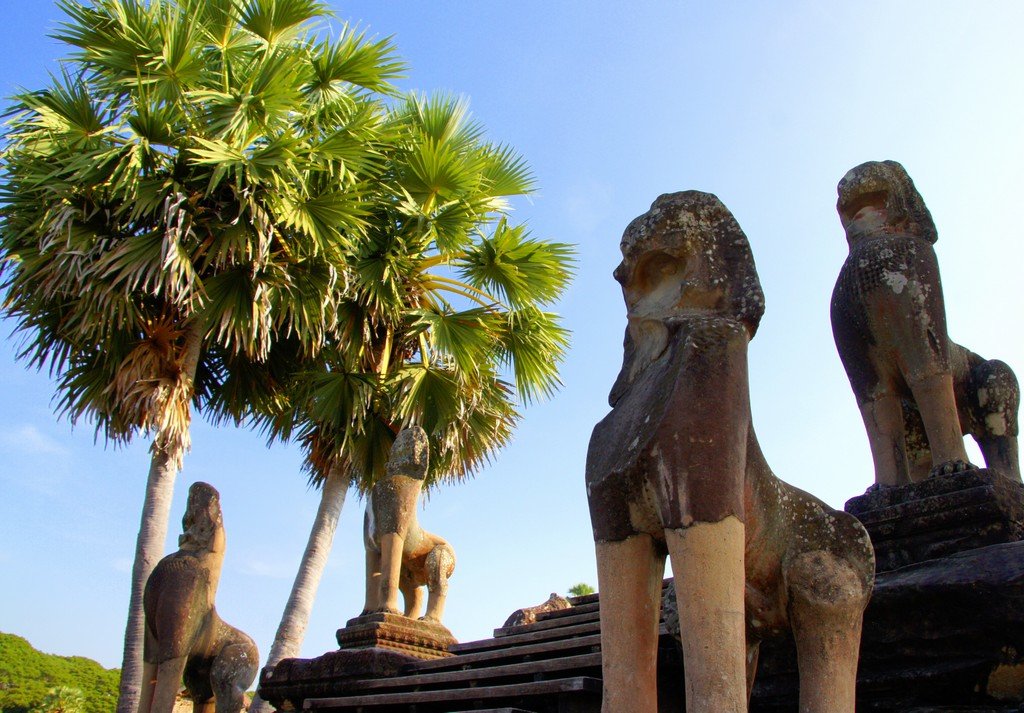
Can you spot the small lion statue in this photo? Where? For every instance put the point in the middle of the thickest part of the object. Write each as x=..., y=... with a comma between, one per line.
x=675, y=469
x=185, y=638
x=917, y=390
x=400, y=555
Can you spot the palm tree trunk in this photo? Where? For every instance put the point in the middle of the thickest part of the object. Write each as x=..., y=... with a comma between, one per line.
x=292, y=629
x=149, y=546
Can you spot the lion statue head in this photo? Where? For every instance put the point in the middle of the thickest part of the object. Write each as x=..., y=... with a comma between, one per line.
x=884, y=187
x=409, y=454
x=690, y=255
x=685, y=257
x=203, y=524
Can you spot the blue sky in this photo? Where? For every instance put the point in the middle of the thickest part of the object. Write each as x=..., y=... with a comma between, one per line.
x=766, y=104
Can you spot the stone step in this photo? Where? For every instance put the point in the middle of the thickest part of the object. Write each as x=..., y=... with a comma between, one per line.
x=571, y=611
x=464, y=696
x=529, y=637
x=542, y=669
x=544, y=649
x=548, y=623
x=585, y=599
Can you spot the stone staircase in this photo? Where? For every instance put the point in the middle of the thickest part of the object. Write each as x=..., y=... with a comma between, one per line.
x=557, y=658
x=552, y=665
x=940, y=636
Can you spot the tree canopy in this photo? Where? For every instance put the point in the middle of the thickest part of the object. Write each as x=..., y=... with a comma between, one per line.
x=28, y=676
x=444, y=321
x=217, y=206
x=195, y=170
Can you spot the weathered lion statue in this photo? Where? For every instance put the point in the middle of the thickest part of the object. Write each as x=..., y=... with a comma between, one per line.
x=675, y=469
x=917, y=390
x=185, y=638
x=400, y=555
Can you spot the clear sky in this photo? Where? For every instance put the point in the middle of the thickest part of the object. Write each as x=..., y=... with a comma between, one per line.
x=766, y=104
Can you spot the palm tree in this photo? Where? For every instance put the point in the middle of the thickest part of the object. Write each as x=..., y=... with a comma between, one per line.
x=581, y=590
x=445, y=296
x=178, y=204
x=62, y=699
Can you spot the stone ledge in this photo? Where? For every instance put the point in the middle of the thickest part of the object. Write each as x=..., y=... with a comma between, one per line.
x=288, y=684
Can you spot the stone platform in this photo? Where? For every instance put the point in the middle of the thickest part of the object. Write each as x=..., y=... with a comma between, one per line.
x=941, y=635
x=550, y=665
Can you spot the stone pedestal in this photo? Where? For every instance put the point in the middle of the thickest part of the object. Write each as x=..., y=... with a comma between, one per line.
x=940, y=516
x=373, y=646
x=394, y=632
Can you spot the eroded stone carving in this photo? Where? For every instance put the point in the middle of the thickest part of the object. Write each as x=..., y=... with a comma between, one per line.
x=917, y=390
x=186, y=641
x=400, y=555
x=676, y=469
x=528, y=615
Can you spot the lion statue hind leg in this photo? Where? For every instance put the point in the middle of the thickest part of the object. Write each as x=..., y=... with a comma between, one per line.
x=826, y=605
x=440, y=567
x=412, y=595
x=994, y=400
x=233, y=671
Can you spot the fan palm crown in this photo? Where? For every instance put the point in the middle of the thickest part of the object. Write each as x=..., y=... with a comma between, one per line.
x=179, y=201
x=444, y=325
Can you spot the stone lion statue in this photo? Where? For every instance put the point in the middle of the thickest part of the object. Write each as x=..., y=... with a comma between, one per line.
x=186, y=641
x=400, y=555
x=675, y=470
x=917, y=390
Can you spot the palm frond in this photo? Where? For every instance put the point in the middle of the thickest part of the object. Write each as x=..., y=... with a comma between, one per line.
x=277, y=21
x=465, y=337
x=116, y=38
x=506, y=173
x=533, y=345
x=353, y=59
x=521, y=269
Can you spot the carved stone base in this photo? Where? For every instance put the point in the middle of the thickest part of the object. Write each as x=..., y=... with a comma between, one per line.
x=288, y=684
x=940, y=516
x=394, y=632
x=372, y=646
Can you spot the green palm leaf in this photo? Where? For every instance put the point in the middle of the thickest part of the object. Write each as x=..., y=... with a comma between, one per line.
x=534, y=345
x=506, y=173
x=464, y=337
x=276, y=21
x=519, y=268
x=353, y=59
